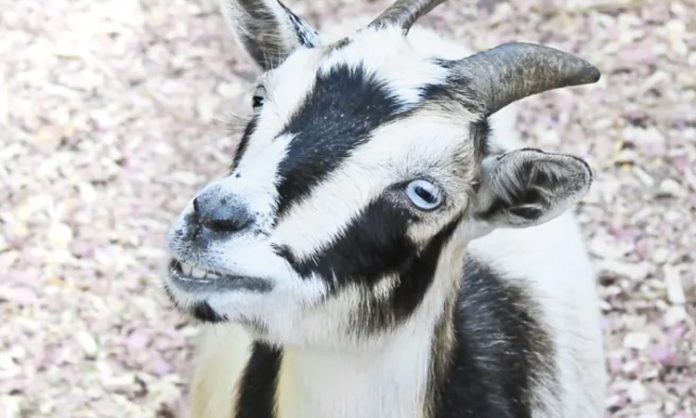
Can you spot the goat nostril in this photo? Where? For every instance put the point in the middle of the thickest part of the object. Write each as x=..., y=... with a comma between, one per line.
x=226, y=225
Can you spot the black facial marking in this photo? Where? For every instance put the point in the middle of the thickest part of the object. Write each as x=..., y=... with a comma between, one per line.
x=373, y=245
x=206, y=313
x=414, y=280
x=499, y=353
x=256, y=396
x=376, y=245
x=244, y=142
x=346, y=105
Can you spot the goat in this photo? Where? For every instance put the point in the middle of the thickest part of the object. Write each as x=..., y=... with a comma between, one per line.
x=383, y=246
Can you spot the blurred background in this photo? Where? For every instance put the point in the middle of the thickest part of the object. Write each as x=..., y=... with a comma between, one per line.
x=112, y=114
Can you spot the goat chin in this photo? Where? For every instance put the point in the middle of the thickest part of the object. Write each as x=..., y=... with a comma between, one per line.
x=551, y=258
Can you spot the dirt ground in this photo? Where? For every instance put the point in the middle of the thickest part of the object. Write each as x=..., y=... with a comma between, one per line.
x=110, y=120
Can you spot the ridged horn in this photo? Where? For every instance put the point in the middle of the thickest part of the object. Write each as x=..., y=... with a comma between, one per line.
x=404, y=13
x=510, y=72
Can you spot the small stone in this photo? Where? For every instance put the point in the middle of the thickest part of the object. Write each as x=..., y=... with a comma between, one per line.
x=10, y=406
x=60, y=235
x=637, y=392
x=7, y=259
x=675, y=291
x=670, y=188
x=87, y=342
x=633, y=271
x=659, y=256
x=675, y=315
x=636, y=340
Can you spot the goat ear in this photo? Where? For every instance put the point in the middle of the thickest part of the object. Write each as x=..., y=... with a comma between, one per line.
x=529, y=187
x=268, y=30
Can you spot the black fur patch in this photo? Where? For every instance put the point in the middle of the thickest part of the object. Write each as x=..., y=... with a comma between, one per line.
x=346, y=105
x=373, y=246
x=244, y=142
x=256, y=396
x=414, y=280
x=500, y=351
x=206, y=313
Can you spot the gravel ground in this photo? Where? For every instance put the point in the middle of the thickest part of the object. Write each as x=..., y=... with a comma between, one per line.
x=110, y=117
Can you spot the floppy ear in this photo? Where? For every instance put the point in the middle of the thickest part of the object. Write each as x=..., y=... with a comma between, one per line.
x=528, y=187
x=268, y=30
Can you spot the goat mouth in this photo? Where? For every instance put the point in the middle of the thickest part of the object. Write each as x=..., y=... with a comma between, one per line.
x=193, y=279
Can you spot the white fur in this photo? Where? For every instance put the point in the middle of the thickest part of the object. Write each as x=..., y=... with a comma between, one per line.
x=222, y=354
x=393, y=61
x=356, y=383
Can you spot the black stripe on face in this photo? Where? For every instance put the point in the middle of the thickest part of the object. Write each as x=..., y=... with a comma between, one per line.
x=376, y=245
x=373, y=245
x=244, y=141
x=414, y=280
x=344, y=107
x=256, y=395
x=499, y=354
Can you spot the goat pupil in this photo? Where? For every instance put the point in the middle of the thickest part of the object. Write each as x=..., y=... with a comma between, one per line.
x=425, y=194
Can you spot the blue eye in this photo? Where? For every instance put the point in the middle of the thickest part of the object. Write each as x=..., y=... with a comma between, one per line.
x=424, y=195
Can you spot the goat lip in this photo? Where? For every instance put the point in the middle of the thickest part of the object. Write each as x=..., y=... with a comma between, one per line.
x=219, y=283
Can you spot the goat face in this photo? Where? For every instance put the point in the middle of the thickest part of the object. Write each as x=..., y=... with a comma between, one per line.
x=364, y=165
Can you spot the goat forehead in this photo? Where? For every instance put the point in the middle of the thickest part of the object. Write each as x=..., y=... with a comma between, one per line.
x=390, y=57
x=340, y=114
x=385, y=56
x=354, y=93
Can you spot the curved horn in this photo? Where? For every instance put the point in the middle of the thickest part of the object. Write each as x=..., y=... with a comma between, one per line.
x=404, y=13
x=513, y=71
